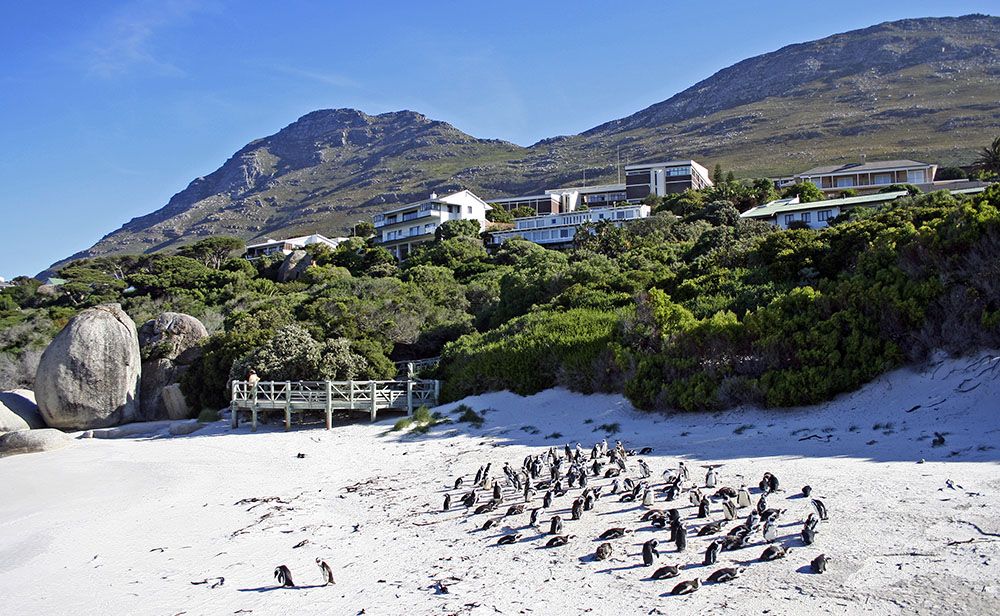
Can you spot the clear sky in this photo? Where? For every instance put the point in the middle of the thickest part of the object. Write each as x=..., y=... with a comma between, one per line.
x=109, y=108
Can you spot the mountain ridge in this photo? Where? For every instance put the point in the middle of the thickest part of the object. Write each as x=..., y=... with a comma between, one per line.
x=913, y=88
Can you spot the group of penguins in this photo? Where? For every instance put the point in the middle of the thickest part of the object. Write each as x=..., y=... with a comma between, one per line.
x=556, y=475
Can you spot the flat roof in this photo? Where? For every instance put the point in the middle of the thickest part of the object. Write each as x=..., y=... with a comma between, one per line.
x=588, y=189
x=879, y=165
x=669, y=163
x=503, y=199
x=781, y=206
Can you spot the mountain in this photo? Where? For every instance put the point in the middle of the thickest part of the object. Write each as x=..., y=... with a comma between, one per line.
x=918, y=88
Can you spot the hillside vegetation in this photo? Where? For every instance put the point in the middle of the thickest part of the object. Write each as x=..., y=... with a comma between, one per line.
x=919, y=88
x=692, y=308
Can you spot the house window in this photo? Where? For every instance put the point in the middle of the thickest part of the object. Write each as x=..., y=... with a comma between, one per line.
x=414, y=230
x=823, y=215
x=563, y=232
x=789, y=218
x=845, y=182
x=468, y=209
x=916, y=177
x=882, y=178
x=807, y=216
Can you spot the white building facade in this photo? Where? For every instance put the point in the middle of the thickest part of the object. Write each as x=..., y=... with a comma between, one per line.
x=269, y=247
x=402, y=228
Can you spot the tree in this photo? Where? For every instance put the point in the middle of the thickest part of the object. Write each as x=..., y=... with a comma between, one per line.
x=950, y=173
x=989, y=158
x=850, y=192
x=730, y=177
x=456, y=228
x=523, y=211
x=717, y=176
x=910, y=188
x=213, y=251
x=499, y=214
x=363, y=229
x=807, y=192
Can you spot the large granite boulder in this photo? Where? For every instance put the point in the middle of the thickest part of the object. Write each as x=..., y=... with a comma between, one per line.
x=169, y=344
x=18, y=411
x=32, y=441
x=88, y=376
x=294, y=265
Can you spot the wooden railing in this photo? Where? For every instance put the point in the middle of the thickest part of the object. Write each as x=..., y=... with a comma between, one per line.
x=328, y=396
x=412, y=367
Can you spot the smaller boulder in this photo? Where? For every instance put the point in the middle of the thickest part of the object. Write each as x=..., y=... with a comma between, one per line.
x=294, y=265
x=175, y=402
x=32, y=441
x=18, y=411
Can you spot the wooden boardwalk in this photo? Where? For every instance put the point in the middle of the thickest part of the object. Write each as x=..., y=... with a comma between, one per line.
x=328, y=396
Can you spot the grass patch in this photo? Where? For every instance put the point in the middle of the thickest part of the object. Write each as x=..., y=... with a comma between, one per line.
x=402, y=424
x=554, y=435
x=530, y=430
x=883, y=426
x=743, y=428
x=588, y=421
x=470, y=416
x=208, y=416
x=421, y=422
x=610, y=428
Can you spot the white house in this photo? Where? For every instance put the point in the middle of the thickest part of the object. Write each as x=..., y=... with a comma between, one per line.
x=267, y=247
x=868, y=176
x=601, y=195
x=403, y=227
x=554, y=229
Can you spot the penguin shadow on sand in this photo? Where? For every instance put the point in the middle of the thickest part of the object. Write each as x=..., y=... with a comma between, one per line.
x=279, y=587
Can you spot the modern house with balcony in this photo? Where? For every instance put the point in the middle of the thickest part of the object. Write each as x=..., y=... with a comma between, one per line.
x=268, y=247
x=665, y=178
x=403, y=227
x=598, y=196
x=561, y=228
x=868, y=177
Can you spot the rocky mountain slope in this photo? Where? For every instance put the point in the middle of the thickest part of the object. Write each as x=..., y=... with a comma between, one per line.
x=917, y=88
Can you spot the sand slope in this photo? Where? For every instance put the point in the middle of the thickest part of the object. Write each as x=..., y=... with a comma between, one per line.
x=126, y=526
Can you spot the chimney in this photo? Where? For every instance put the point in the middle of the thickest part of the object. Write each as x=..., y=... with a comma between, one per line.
x=863, y=159
x=434, y=195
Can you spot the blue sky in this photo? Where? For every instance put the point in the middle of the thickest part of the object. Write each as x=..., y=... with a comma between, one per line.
x=109, y=108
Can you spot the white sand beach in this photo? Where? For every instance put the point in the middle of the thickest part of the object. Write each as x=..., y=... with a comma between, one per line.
x=152, y=525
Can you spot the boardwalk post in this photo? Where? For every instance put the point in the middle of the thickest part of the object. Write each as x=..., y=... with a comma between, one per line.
x=374, y=391
x=409, y=398
x=329, y=405
x=437, y=391
x=232, y=407
x=288, y=405
x=350, y=387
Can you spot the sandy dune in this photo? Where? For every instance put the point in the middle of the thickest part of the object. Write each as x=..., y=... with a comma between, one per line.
x=131, y=526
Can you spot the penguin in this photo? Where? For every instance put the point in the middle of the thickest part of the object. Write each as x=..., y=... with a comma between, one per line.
x=772, y=483
x=603, y=551
x=650, y=515
x=613, y=533
x=712, y=553
x=497, y=493
x=555, y=525
x=725, y=492
x=686, y=587
x=773, y=552
x=577, y=510
x=683, y=471
x=762, y=504
x=820, y=508
x=807, y=491
x=808, y=535
x=547, y=499
x=325, y=571
x=765, y=483
x=704, y=508
x=644, y=469
x=588, y=502
x=508, y=539
x=694, y=496
x=486, y=508
x=514, y=510
x=709, y=529
x=458, y=483
x=649, y=552
x=666, y=572
x=680, y=538
x=742, y=497
x=674, y=515
x=470, y=499
x=671, y=493
x=284, y=577
x=479, y=476
x=725, y=574
x=770, y=531
x=583, y=480
x=658, y=521
x=818, y=564
x=729, y=509
x=534, y=516
x=711, y=476
x=647, y=497
x=447, y=502
x=488, y=524
x=558, y=540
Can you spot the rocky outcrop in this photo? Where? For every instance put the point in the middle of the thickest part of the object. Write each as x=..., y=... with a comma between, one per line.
x=32, y=441
x=294, y=265
x=88, y=376
x=18, y=411
x=169, y=344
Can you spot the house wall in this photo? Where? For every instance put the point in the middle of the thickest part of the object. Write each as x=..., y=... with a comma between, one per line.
x=816, y=219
